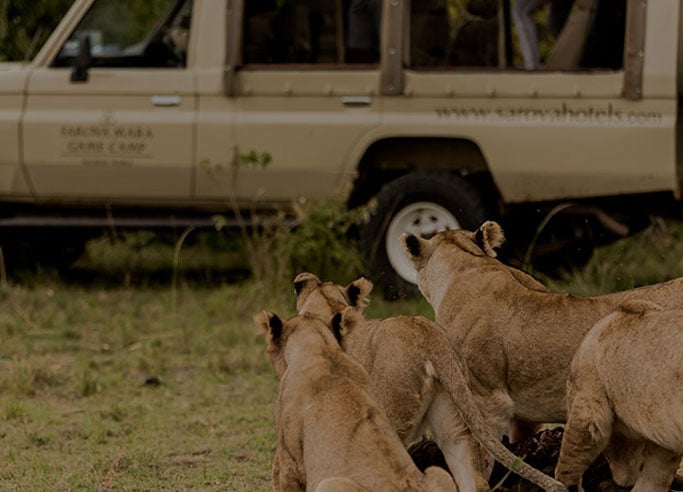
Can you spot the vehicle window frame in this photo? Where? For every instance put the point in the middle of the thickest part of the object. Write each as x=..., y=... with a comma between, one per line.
x=246, y=64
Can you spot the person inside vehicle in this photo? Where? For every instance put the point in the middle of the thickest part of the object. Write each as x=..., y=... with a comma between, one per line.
x=527, y=33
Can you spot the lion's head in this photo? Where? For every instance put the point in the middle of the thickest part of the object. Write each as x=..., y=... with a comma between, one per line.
x=461, y=247
x=482, y=242
x=279, y=332
x=327, y=298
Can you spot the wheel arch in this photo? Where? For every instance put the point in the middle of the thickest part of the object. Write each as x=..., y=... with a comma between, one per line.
x=422, y=204
x=389, y=158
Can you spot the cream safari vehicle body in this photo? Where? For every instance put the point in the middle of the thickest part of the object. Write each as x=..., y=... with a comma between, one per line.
x=162, y=113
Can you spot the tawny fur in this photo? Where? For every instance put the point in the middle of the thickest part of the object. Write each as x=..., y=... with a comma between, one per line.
x=416, y=376
x=625, y=383
x=517, y=338
x=331, y=435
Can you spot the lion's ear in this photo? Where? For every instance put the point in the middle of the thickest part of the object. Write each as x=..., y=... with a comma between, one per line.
x=337, y=327
x=357, y=292
x=489, y=237
x=271, y=325
x=304, y=282
x=343, y=323
x=419, y=250
x=261, y=321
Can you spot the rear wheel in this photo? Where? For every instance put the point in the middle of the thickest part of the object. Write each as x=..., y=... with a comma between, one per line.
x=421, y=204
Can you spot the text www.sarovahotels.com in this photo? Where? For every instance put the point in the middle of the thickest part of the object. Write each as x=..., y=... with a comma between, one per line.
x=608, y=115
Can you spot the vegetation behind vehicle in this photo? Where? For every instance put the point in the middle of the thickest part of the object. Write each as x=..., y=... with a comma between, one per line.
x=26, y=24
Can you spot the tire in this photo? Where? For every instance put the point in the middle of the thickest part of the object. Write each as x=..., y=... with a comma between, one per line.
x=421, y=204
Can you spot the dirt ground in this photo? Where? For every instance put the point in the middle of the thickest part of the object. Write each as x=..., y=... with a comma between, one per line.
x=540, y=451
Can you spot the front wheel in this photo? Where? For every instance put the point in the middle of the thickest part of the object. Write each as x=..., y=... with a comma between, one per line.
x=421, y=204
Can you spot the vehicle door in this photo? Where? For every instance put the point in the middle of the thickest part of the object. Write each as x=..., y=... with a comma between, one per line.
x=305, y=95
x=120, y=125
x=12, y=82
x=555, y=120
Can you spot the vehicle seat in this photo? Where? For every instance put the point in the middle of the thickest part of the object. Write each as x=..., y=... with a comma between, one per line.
x=476, y=43
x=257, y=31
x=429, y=33
x=568, y=50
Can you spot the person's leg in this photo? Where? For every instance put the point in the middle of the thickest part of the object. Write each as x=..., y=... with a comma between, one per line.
x=522, y=15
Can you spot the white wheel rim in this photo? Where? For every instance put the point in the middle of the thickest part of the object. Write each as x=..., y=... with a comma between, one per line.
x=423, y=219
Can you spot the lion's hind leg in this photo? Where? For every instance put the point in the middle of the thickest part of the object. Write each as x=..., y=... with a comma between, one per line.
x=625, y=457
x=405, y=402
x=659, y=469
x=462, y=452
x=586, y=435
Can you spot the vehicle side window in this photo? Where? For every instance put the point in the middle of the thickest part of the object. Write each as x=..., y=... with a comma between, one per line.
x=536, y=35
x=312, y=32
x=430, y=33
x=132, y=33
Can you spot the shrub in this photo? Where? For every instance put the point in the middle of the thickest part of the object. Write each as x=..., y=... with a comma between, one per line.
x=320, y=240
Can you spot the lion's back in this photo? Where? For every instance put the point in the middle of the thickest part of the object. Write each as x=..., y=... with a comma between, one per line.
x=636, y=354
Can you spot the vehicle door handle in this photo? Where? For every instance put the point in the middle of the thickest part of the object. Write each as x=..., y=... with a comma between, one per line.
x=356, y=101
x=166, y=101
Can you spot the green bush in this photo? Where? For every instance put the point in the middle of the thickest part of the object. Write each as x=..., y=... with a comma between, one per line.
x=319, y=240
x=323, y=244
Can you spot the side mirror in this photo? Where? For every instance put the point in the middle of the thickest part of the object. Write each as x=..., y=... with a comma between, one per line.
x=82, y=61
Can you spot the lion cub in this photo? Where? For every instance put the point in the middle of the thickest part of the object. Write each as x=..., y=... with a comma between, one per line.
x=416, y=376
x=626, y=380
x=331, y=435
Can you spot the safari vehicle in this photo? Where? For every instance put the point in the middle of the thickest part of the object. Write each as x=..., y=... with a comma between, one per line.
x=161, y=113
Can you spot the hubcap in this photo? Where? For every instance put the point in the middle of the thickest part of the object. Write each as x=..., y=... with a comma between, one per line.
x=423, y=219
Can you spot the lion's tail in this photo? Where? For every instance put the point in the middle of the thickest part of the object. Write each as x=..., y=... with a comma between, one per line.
x=452, y=374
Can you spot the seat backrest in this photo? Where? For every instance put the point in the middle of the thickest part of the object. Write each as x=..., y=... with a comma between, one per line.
x=429, y=30
x=567, y=52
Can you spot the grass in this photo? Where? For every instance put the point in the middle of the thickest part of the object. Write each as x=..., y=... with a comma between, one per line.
x=112, y=380
x=654, y=255
x=105, y=389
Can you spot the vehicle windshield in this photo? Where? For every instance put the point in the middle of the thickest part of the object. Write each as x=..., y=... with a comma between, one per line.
x=130, y=33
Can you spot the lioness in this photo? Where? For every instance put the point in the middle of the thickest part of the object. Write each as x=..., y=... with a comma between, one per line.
x=625, y=380
x=416, y=376
x=517, y=338
x=331, y=435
